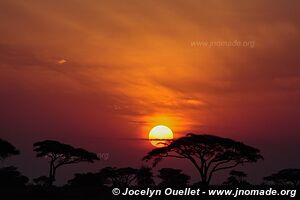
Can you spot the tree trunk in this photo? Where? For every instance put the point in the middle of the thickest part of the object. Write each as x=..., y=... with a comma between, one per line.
x=53, y=174
x=205, y=182
x=50, y=181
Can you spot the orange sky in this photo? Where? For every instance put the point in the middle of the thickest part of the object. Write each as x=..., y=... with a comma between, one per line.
x=113, y=69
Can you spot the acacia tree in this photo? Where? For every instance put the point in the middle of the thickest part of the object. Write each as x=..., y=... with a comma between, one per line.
x=209, y=154
x=60, y=154
x=7, y=149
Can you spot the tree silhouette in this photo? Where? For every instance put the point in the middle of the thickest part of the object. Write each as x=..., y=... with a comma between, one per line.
x=236, y=178
x=42, y=181
x=11, y=177
x=209, y=154
x=173, y=178
x=98, y=179
x=144, y=177
x=7, y=149
x=60, y=154
x=120, y=177
x=285, y=177
x=117, y=177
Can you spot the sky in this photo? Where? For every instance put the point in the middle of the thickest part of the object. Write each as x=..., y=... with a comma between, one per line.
x=99, y=74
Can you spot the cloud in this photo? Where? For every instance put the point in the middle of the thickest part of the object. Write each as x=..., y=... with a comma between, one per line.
x=138, y=57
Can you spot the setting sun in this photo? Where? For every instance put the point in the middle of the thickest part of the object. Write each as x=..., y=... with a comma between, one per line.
x=159, y=135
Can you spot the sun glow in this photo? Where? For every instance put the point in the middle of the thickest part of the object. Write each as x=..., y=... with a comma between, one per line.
x=160, y=135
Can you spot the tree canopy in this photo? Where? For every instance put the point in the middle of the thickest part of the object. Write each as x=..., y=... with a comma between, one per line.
x=285, y=177
x=208, y=153
x=120, y=177
x=117, y=177
x=61, y=154
x=173, y=178
x=88, y=180
x=236, y=178
x=11, y=177
x=7, y=149
x=144, y=177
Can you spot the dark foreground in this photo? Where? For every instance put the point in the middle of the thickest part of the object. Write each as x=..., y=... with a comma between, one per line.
x=212, y=193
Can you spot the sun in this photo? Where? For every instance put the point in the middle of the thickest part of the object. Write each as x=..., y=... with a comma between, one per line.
x=160, y=135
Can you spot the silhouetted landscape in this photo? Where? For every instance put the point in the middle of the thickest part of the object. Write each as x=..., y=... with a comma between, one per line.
x=207, y=153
